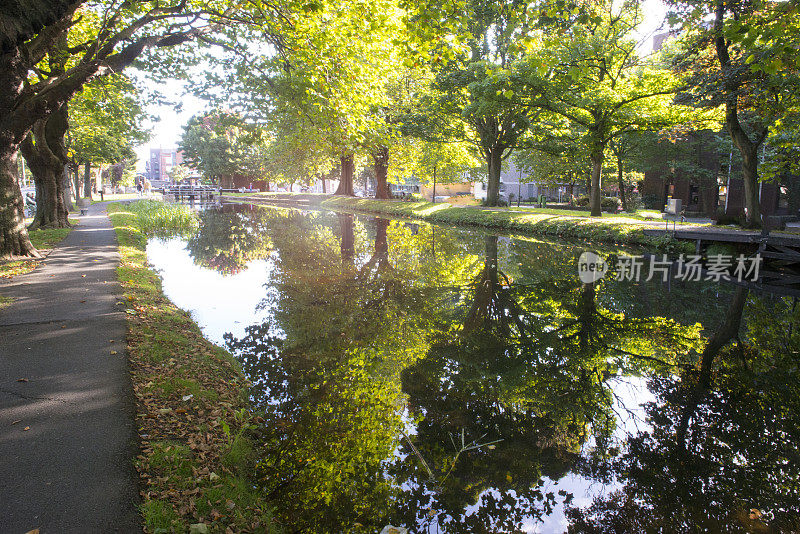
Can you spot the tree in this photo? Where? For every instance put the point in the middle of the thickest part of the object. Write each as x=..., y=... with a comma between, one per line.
x=30, y=34
x=555, y=157
x=743, y=60
x=472, y=98
x=211, y=144
x=598, y=82
x=327, y=77
x=178, y=173
x=431, y=162
x=105, y=124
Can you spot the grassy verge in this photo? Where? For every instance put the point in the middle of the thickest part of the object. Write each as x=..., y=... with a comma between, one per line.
x=639, y=215
x=192, y=411
x=605, y=230
x=43, y=240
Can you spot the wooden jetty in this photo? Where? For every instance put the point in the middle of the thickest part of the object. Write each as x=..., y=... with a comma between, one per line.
x=780, y=271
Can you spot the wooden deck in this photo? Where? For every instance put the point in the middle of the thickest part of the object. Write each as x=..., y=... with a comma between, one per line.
x=780, y=273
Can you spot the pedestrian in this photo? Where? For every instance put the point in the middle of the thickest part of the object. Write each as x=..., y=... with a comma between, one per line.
x=147, y=187
x=139, y=185
x=30, y=204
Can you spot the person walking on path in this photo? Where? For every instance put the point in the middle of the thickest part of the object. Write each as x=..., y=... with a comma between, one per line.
x=67, y=412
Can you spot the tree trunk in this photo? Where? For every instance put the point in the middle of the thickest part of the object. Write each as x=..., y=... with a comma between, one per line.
x=494, y=161
x=346, y=179
x=751, y=189
x=14, y=240
x=381, y=160
x=747, y=146
x=76, y=182
x=323, y=186
x=87, y=180
x=348, y=244
x=621, y=183
x=46, y=155
x=65, y=186
x=381, y=238
x=595, y=196
x=433, y=193
x=728, y=331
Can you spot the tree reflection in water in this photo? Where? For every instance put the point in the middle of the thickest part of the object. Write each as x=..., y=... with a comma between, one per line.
x=230, y=238
x=384, y=348
x=722, y=451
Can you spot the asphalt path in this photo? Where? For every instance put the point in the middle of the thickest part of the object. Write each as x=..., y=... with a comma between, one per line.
x=67, y=429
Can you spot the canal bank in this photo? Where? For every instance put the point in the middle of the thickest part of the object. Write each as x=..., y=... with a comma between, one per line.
x=191, y=406
x=608, y=229
x=619, y=230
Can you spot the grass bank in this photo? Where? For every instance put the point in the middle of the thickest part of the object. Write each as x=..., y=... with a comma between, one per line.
x=192, y=408
x=44, y=240
x=154, y=217
x=607, y=229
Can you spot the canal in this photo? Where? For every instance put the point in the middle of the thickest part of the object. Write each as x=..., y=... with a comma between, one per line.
x=452, y=380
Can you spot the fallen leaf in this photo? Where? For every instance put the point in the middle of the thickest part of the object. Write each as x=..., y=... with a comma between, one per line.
x=22, y=379
x=113, y=352
x=83, y=276
x=15, y=422
x=34, y=531
x=26, y=429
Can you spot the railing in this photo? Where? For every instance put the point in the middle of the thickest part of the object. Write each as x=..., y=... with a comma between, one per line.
x=181, y=192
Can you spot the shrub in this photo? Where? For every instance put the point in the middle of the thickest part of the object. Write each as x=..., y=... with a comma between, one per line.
x=606, y=203
x=582, y=200
x=652, y=202
x=634, y=201
x=609, y=203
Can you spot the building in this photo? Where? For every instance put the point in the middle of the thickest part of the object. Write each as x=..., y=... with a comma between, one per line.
x=160, y=163
x=516, y=183
x=445, y=190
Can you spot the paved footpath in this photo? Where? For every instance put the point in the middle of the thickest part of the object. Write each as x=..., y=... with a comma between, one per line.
x=67, y=431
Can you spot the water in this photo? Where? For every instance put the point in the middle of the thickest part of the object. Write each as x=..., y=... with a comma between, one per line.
x=450, y=380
